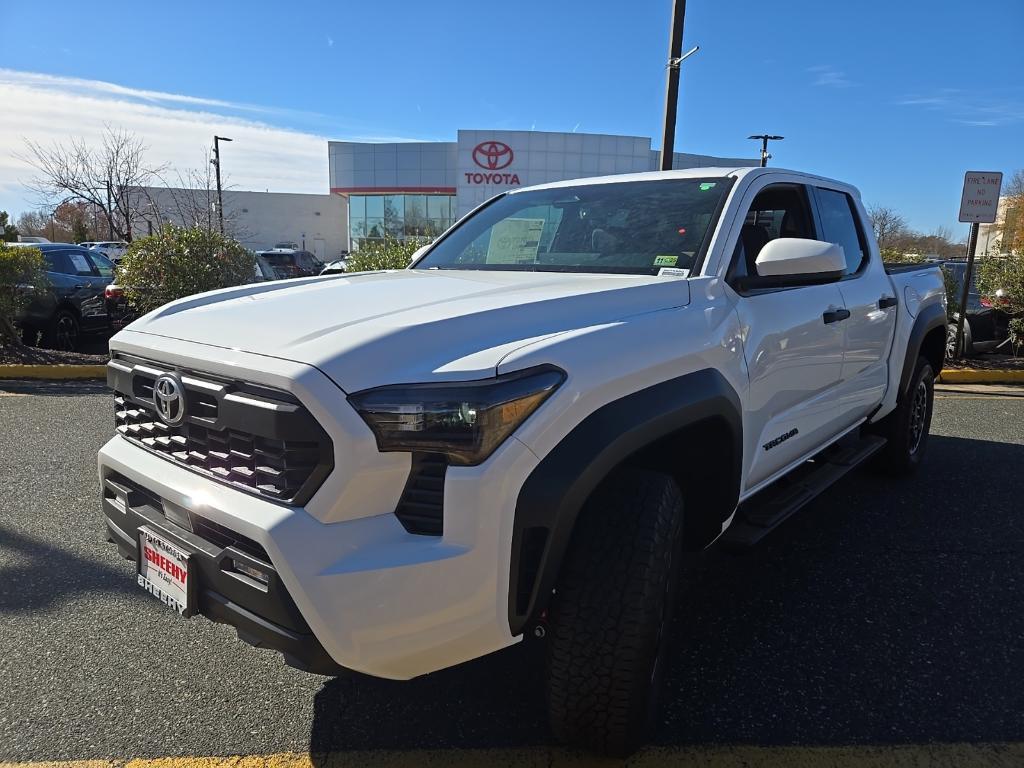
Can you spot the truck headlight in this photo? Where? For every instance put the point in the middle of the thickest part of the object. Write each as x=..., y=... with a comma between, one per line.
x=465, y=420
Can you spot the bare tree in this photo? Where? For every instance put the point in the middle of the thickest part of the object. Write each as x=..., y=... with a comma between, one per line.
x=189, y=199
x=890, y=228
x=105, y=177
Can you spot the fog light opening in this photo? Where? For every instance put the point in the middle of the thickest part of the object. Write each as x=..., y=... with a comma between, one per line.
x=253, y=573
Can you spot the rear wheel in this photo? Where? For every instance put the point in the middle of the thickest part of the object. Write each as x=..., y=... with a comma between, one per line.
x=906, y=429
x=610, y=617
x=63, y=332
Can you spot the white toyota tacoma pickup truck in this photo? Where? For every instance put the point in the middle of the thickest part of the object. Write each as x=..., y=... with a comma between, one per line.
x=519, y=435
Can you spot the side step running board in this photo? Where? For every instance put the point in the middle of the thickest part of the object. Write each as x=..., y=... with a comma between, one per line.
x=763, y=513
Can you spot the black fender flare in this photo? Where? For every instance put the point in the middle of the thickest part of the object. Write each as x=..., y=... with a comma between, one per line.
x=931, y=317
x=553, y=495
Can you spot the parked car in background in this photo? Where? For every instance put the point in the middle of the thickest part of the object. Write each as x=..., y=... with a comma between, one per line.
x=88, y=243
x=986, y=324
x=336, y=267
x=290, y=262
x=112, y=249
x=75, y=304
x=31, y=239
x=265, y=271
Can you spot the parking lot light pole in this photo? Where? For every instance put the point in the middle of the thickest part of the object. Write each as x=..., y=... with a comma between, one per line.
x=765, y=138
x=675, y=58
x=216, y=164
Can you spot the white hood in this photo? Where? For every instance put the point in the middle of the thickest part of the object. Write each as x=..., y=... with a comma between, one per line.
x=381, y=328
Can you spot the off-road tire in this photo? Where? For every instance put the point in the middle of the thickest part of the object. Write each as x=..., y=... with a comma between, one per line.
x=611, y=614
x=966, y=344
x=906, y=428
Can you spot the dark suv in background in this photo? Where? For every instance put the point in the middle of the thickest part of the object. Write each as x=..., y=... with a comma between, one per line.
x=75, y=304
x=986, y=324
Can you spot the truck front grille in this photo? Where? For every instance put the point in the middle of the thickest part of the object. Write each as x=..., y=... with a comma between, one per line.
x=258, y=440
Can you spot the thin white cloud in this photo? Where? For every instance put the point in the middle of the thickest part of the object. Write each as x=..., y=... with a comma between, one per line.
x=177, y=128
x=827, y=76
x=330, y=41
x=978, y=109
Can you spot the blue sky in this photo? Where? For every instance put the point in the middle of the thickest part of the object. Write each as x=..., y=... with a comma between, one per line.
x=897, y=97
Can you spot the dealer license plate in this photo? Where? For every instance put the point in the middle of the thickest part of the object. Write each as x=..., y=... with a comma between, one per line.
x=163, y=571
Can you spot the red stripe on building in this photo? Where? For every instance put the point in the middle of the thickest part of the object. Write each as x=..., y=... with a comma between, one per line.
x=392, y=190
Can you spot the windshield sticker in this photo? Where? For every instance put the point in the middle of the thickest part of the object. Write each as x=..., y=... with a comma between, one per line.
x=704, y=187
x=666, y=261
x=515, y=241
x=673, y=272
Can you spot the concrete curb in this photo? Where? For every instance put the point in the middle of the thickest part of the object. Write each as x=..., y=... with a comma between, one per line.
x=975, y=376
x=53, y=372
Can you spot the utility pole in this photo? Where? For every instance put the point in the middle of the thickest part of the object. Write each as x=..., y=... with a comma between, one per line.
x=110, y=214
x=765, y=138
x=216, y=164
x=675, y=58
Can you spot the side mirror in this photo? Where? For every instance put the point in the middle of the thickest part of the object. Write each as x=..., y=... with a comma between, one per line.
x=791, y=261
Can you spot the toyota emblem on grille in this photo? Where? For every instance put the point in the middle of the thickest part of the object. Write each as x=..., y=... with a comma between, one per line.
x=169, y=399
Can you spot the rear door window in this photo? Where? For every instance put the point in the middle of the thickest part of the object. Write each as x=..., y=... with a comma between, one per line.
x=79, y=264
x=839, y=225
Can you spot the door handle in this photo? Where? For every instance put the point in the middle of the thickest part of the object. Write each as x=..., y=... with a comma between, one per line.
x=834, y=315
x=79, y=286
x=887, y=301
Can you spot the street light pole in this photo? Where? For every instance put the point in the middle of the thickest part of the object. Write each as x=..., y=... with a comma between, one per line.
x=675, y=58
x=765, y=138
x=216, y=164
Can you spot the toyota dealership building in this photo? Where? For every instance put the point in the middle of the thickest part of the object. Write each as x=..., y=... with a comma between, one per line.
x=417, y=189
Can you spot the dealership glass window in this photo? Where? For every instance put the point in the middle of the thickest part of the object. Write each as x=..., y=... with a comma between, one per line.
x=373, y=217
x=437, y=207
x=375, y=227
x=357, y=207
x=375, y=206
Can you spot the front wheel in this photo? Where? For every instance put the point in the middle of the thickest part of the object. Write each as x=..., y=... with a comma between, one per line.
x=610, y=617
x=906, y=428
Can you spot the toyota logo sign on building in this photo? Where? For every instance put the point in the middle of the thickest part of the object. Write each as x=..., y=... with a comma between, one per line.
x=493, y=155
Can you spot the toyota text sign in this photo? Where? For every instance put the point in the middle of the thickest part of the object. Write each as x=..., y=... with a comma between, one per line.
x=980, y=198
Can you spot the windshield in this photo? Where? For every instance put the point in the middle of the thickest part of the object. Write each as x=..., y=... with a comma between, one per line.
x=633, y=227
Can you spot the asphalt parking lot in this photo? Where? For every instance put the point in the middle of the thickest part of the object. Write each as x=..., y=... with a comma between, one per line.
x=887, y=613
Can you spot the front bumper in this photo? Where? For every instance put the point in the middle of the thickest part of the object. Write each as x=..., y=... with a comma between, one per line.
x=373, y=597
x=264, y=615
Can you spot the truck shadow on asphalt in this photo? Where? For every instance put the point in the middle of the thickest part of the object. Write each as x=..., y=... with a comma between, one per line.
x=888, y=611
x=36, y=576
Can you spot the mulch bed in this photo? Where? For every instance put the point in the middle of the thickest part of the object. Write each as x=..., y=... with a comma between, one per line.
x=988, y=363
x=34, y=356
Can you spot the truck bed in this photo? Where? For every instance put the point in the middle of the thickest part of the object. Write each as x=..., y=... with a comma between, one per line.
x=896, y=269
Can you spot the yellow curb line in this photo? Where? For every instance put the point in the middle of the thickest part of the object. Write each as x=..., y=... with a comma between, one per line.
x=59, y=372
x=952, y=755
x=975, y=376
